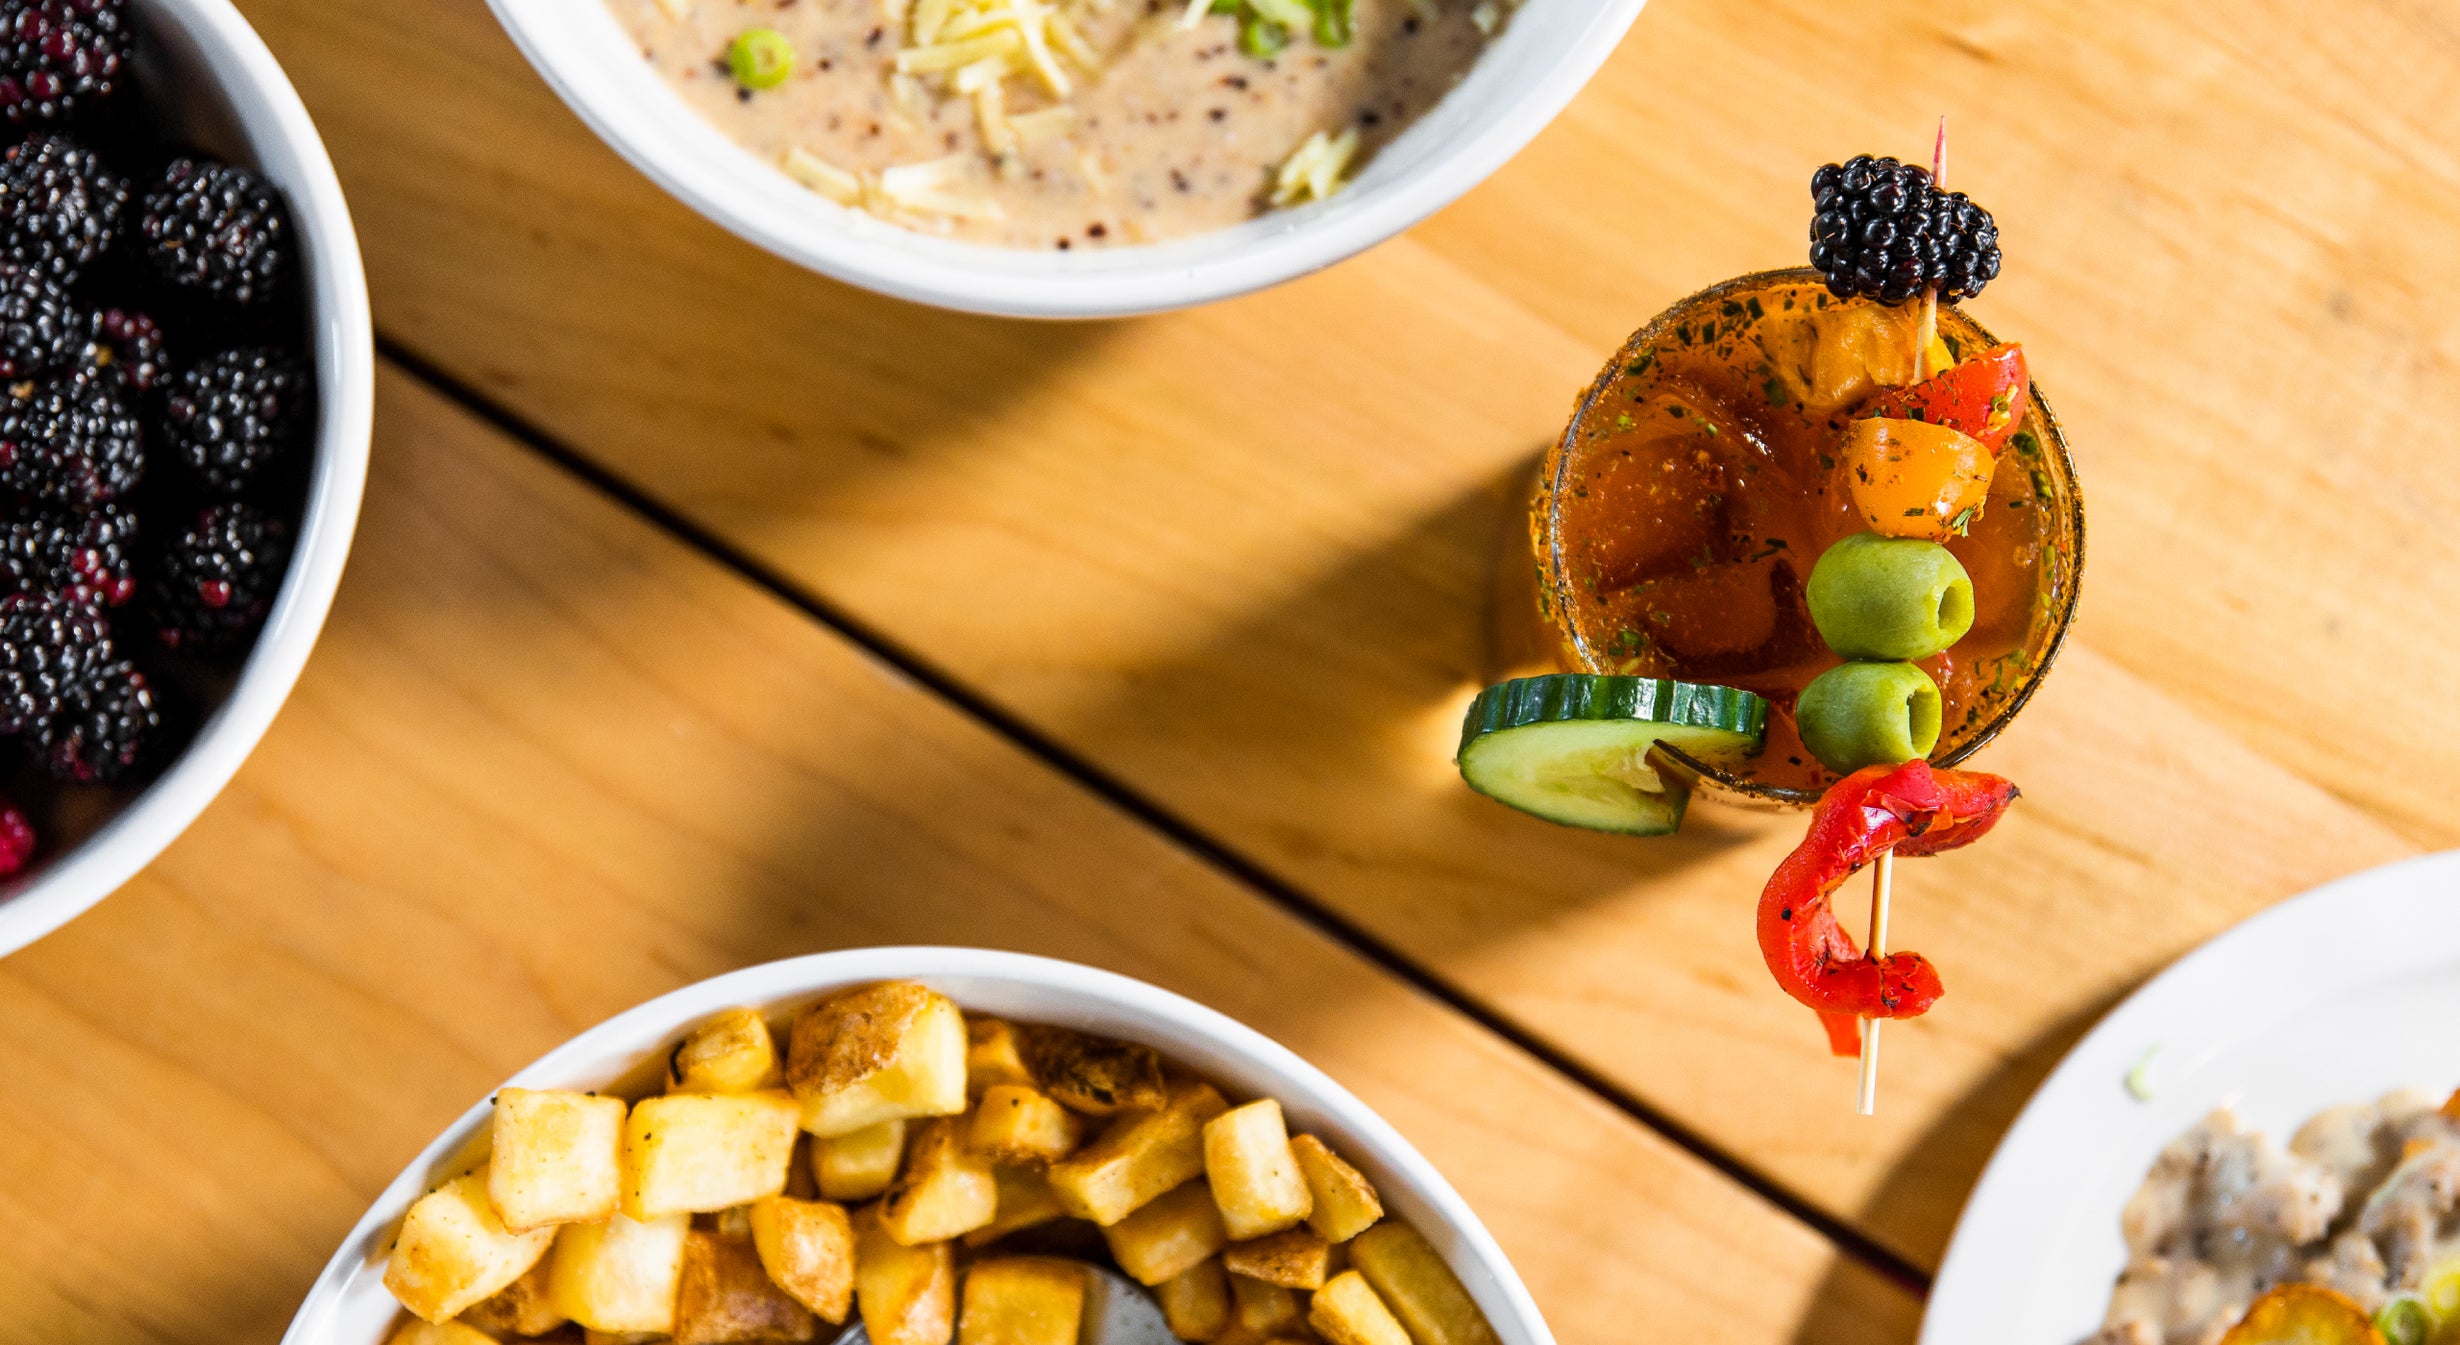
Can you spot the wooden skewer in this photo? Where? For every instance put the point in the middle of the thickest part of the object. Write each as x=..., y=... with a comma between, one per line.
x=1883, y=873
x=1883, y=876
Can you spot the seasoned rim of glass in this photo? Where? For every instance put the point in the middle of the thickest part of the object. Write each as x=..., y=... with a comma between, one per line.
x=2061, y=468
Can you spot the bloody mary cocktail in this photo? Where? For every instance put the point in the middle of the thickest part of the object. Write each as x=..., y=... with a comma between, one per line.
x=1677, y=521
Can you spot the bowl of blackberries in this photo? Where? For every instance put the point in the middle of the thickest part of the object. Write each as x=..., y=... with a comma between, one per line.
x=186, y=389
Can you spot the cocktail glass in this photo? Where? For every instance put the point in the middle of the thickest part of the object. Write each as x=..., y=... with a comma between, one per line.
x=1553, y=607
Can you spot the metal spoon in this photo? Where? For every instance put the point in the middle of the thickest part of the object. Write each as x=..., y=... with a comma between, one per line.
x=1118, y=1311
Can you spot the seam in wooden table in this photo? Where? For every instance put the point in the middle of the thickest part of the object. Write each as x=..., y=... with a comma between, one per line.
x=1111, y=790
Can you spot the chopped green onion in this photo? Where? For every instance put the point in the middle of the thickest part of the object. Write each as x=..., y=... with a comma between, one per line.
x=761, y=59
x=1230, y=7
x=2140, y=1079
x=1262, y=38
x=1288, y=13
x=1332, y=22
x=2404, y=1321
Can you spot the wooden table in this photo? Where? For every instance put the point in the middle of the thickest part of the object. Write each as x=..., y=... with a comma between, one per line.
x=708, y=612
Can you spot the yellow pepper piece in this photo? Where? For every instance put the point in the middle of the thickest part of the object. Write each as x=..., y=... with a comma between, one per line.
x=2304, y=1314
x=1908, y=478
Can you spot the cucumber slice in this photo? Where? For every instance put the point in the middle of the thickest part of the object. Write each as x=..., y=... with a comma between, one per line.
x=1575, y=748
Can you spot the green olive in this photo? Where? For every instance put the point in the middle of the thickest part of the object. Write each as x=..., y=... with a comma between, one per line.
x=1876, y=597
x=761, y=59
x=1869, y=714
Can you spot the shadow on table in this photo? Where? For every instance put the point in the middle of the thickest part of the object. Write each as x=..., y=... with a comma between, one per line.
x=1923, y=1195
x=1313, y=736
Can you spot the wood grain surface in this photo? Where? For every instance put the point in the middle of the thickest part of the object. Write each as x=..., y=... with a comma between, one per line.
x=1236, y=559
x=549, y=762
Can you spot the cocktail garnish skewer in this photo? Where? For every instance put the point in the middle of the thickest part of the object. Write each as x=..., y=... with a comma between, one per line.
x=1930, y=295
x=1883, y=877
x=1883, y=873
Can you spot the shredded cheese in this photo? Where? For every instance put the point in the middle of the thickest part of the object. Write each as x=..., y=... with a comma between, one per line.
x=926, y=189
x=824, y=177
x=1313, y=170
x=947, y=56
x=1092, y=169
x=1032, y=128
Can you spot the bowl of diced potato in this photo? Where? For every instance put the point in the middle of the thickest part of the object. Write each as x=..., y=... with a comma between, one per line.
x=933, y=1146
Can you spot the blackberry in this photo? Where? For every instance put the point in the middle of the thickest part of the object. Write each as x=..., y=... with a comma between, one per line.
x=1885, y=231
x=218, y=228
x=16, y=838
x=126, y=347
x=230, y=416
x=40, y=329
x=49, y=647
x=59, y=207
x=102, y=728
x=216, y=580
x=89, y=557
x=59, y=55
x=70, y=440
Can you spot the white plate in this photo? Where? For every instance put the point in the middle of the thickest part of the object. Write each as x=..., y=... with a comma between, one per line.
x=1531, y=70
x=212, y=75
x=349, y=1304
x=2336, y=996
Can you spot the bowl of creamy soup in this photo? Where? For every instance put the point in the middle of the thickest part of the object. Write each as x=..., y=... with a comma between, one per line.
x=1066, y=158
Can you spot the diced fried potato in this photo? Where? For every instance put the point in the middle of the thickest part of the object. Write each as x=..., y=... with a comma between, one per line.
x=1263, y=1309
x=1094, y=1075
x=1255, y=1176
x=1196, y=1303
x=726, y=1296
x=993, y=1057
x=1020, y=1126
x=1171, y=1233
x=908, y=1295
x=1420, y=1289
x=453, y=1251
x=808, y=1248
x=589, y=1337
x=1345, y=1201
x=882, y=1053
x=859, y=1164
x=1347, y=1311
x=1139, y=1156
x=413, y=1331
x=554, y=1160
x=946, y=1188
x=1025, y=1199
x=699, y=1153
x=521, y=1308
x=1295, y=1258
x=1022, y=1300
x=620, y=1275
x=732, y=1052
x=803, y=1172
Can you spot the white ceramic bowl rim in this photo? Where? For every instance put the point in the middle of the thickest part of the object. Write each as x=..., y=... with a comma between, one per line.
x=266, y=111
x=1541, y=58
x=349, y=1306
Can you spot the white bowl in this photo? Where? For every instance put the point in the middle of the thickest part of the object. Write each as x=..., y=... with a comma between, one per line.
x=235, y=101
x=349, y=1304
x=1541, y=58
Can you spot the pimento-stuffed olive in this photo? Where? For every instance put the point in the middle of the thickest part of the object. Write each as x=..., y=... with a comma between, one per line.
x=1869, y=714
x=1889, y=598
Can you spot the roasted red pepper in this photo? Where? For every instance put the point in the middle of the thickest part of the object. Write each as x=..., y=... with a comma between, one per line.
x=1910, y=809
x=1984, y=397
